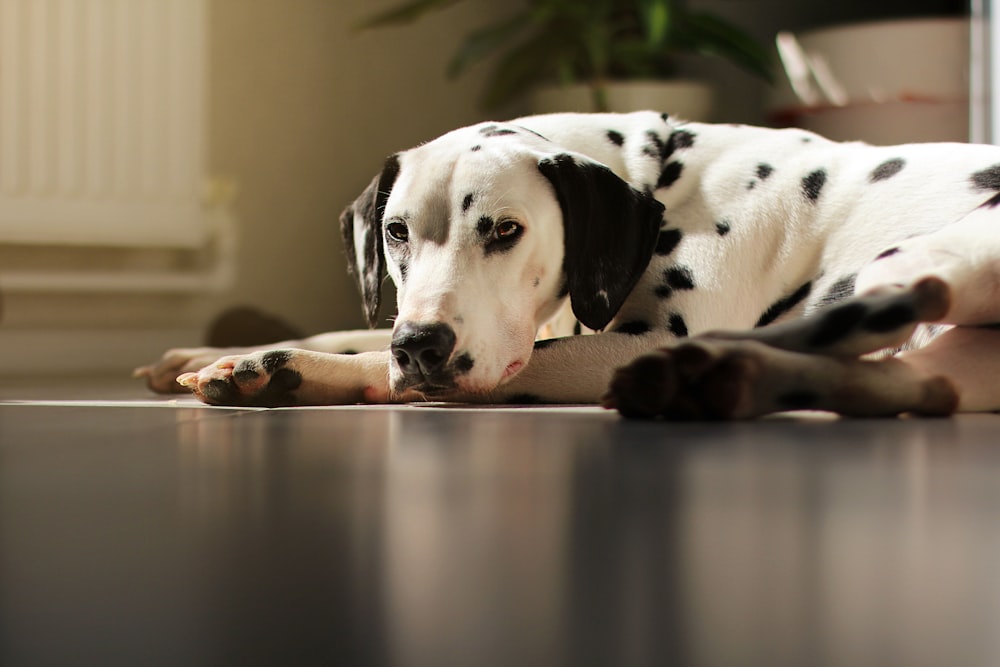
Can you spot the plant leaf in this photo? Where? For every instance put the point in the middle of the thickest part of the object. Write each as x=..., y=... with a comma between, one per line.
x=536, y=59
x=655, y=16
x=483, y=42
x=408, y=12
x=706, y=33
x=634, y=59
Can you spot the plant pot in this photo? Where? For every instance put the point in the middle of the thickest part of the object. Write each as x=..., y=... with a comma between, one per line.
x=884, y=82
x=690, y=100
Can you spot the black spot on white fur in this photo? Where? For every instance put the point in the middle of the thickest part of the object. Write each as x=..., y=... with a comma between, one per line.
x=681, y=139
x=887, y=169
x=839, y=291
x=675, y=278
x=617, y=138
x=667, y=241
x=987, y=179
x=762, y=172
x=633, y=328
x=467, y=202
x=891, y=251
x=677, y=325
x=812, y=184
x=723, y=227
x=494, y=131
x=670, y=174
x=655, y=146
x=783, y=305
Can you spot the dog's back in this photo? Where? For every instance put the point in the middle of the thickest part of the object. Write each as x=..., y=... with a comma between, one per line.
x=765, y=224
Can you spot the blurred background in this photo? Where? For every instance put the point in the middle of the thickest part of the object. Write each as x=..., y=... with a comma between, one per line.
x=166, y=165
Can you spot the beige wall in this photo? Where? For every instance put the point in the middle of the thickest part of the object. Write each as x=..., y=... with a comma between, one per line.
x=303, y=111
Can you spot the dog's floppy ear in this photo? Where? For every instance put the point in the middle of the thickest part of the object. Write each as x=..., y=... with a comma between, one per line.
x=361, y=228
x=610, y=230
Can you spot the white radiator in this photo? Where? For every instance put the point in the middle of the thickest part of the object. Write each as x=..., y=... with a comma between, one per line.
x=101, y=122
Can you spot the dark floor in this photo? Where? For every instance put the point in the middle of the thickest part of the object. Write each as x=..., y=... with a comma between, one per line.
x=165, y=533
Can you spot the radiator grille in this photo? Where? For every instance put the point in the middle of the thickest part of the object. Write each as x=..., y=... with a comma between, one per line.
x=101, y=122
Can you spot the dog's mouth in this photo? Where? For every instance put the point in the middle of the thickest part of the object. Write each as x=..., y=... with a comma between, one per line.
x=433, y=383
x=450, y=382
x=435, y=387
x=512, y=369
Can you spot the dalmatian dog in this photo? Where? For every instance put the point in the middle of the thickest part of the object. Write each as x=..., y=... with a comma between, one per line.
x=724, y=272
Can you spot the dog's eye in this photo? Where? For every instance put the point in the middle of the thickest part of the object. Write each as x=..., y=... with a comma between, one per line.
x=398, y=231
x=508, y=229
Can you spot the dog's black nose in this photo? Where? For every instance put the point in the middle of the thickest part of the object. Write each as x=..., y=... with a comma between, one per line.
x=422, y=349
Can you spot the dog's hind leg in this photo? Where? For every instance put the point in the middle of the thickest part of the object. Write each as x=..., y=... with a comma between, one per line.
x=809, y=363
x=951, y=276
x=885, y=316
x=969, y=357
x=965, y=255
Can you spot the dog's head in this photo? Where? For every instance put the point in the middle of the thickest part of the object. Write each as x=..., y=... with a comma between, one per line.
x=486, y=231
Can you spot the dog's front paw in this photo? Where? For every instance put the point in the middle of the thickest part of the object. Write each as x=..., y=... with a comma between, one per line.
x=261, y=379
x=161, y=375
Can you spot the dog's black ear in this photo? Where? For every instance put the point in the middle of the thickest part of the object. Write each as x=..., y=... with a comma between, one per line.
x=610, y=231
x=361, y=228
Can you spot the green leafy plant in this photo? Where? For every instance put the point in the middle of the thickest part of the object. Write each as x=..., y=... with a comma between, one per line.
x=589, y=41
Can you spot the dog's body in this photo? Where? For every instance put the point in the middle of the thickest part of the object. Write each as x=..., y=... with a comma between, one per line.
x=657, y=231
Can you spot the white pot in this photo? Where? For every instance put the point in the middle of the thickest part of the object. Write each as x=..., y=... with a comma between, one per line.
x=882, y=82
x=691, y=100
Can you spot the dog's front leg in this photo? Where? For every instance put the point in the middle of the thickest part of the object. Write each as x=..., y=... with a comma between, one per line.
x=161, y=375
x=277, y=378
x=574, y=369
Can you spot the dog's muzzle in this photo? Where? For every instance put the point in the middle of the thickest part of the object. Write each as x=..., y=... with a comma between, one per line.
x=421, y=353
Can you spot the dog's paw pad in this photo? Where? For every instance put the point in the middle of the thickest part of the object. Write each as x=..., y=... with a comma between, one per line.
x=220, y=392
x=261, y=379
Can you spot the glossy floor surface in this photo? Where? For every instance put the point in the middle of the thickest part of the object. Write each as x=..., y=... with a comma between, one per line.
x=164, y=533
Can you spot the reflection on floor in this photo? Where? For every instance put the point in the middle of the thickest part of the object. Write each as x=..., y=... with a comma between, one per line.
x=141, y=530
